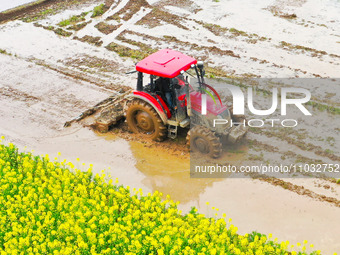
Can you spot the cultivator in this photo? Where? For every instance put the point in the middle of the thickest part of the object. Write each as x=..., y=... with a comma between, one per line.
x=106, y=113
x=157, y=109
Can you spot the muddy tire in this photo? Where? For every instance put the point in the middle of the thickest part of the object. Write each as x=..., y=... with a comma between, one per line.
x=143, y=119
x=204, y=141
x=188, y=140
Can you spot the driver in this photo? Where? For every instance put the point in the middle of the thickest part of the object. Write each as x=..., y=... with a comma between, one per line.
x=163, y=85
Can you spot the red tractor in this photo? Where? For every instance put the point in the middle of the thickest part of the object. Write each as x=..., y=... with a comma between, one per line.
x=166, y=101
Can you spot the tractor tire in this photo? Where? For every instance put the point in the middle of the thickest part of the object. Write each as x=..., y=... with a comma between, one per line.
x=142, y=119
x=203, y=140
x=188, y=140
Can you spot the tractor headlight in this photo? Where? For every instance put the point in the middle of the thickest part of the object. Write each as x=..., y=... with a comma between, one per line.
x=200, y=64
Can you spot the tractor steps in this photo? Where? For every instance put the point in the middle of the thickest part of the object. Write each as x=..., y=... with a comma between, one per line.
x=172, y=131
x=184, y=123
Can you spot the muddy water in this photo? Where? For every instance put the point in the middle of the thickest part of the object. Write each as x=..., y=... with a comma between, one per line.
x=168, y=171
x=253, y=205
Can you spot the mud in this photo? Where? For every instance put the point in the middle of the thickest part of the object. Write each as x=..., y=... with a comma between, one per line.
x=23, y=11
x=106, y=28
x=87, y=61
x=131, y=8
x=171, y=39
x=157, y=16
x=299, y=189
x=90, y=39
x=78, y=27
x=18, y=95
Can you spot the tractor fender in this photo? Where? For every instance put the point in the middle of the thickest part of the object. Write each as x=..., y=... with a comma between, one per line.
x=152, y=101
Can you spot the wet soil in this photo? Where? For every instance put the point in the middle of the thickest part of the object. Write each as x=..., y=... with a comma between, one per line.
x=24, y=11
x=46, y=82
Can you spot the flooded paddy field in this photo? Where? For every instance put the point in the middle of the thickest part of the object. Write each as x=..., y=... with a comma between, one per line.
x=64, y=57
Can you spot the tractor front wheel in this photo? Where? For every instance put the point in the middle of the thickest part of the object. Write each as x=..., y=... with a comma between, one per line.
x=203, y=140
x=143, y=119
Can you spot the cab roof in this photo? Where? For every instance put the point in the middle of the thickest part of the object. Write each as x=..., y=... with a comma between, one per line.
x=165, y=63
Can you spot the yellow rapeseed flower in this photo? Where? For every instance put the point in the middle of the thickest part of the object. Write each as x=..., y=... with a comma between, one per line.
x=54, y=208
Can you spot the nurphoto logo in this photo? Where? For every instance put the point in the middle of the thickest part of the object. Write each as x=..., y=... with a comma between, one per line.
x=239, y=106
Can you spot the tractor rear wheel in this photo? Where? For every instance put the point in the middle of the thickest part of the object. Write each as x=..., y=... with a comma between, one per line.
x=143, y=119
x=203, y=140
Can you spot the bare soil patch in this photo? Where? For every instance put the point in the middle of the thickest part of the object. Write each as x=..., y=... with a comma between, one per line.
x=106, y=28
x=129, y=10
x=158, y=16
x=90, y=39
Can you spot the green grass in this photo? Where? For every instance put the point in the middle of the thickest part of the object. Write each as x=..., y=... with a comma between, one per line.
x=237, y=32
x=73, y=20
x=4, y=52
x=124, y=51
x=64, y=23
x=62, y=32
x=323, y=107
x=98, y=11
x=39, y=15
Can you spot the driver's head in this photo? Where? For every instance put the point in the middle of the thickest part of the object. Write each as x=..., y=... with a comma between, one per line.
x=174, y=81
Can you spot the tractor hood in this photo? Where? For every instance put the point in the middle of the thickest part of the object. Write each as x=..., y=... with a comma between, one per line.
x=165, y=63
x=213, y=107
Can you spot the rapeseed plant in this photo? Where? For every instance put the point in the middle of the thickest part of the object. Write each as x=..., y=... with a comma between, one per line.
x=53, y=208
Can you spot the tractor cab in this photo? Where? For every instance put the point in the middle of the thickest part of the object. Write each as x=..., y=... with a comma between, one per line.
x=166, y=84
x=165, y=101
